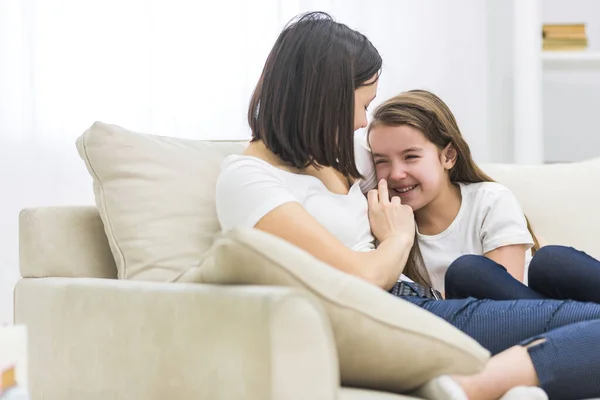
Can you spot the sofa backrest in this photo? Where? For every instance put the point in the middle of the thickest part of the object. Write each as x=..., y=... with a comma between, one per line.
x=561, y=200
x=155, y=201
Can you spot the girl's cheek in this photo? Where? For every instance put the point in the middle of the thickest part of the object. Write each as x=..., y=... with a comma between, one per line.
x=381, y=172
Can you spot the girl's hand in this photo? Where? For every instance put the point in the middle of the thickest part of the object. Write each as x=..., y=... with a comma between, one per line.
x=389, y=218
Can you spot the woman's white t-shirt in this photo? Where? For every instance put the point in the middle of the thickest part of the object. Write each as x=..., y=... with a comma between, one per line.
x=248, y=188
x=489, y=217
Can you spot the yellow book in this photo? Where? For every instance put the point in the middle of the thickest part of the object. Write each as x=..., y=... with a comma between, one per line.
x=7, y=379
x=579, y=27
x=566, y=42
x=564, y=31
x=564, y=35
x=559, y=47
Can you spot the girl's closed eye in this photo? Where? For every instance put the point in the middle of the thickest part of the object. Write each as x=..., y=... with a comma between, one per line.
x=411, y=156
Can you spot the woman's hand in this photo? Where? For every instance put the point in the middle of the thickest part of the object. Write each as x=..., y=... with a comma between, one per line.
x=389, y=218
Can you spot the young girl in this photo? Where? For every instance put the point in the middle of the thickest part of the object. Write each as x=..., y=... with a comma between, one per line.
x=473, y=237
x=298, y=179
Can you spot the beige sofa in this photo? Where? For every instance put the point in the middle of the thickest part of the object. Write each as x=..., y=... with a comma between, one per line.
x=240, y=317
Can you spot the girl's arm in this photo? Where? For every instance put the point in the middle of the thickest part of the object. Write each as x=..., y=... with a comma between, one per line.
x=511, y=257
x=504, y=235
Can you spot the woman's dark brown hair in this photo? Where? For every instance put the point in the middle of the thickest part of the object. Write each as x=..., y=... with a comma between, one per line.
x=303, y=105
x=426, y=112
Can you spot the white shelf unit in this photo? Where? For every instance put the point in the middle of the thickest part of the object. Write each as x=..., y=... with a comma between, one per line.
x=564, y=57
x=529, y=64
x=528, y=141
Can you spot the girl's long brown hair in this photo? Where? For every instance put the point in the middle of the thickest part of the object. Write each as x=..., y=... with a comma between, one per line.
x=426, y=112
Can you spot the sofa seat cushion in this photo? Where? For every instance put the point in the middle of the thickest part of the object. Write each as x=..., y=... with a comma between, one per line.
x=383, y=342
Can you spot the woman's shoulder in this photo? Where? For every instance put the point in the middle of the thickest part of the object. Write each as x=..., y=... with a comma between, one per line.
x=247, y=189
x=245, y=174
x=241, y=167
x=240, y=161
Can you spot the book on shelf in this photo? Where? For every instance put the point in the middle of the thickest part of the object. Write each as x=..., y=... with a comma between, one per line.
x=564, y=37
x=7, y=378
x=561, y=44
x=564, y=28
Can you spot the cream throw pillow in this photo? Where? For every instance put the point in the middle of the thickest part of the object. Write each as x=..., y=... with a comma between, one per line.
x=155, y=196
x=383, y=342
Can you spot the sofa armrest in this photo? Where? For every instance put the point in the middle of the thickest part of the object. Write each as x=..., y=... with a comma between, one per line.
x=113, y=339
x=65, y=241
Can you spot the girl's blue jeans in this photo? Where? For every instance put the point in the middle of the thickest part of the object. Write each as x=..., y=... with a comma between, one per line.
x=567, y=359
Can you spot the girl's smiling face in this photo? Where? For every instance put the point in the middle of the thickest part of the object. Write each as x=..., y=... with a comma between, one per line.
x=416, y=169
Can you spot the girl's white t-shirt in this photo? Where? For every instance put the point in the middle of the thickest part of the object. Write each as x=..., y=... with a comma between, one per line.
x=489, y=217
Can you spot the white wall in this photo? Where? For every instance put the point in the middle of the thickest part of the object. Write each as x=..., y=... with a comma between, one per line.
x=450, y=48
x=435, y=45
x=572, y=91
x=152, y=66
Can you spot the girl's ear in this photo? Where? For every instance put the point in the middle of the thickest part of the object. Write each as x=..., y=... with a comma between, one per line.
x=449, y=156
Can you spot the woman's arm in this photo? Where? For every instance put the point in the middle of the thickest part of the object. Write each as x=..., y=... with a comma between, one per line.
x=250, y=193
x=512, y=258
x=382, y=267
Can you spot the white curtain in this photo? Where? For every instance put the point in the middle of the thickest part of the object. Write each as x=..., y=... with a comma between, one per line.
x=183, y=68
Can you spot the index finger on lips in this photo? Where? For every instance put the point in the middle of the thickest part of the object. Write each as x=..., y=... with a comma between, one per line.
x=384, y=196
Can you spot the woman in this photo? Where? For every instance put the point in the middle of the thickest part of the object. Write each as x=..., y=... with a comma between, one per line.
x=298, y=179
x=473, y=237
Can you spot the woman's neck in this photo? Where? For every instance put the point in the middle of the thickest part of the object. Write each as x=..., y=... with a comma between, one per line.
x=438, y=215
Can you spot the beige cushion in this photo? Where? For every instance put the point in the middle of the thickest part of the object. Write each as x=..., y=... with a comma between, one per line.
x=560, y=200
x=383, y=342
x=155, y=196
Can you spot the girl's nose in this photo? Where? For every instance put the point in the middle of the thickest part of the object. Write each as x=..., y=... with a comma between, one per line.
x=398, y=173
